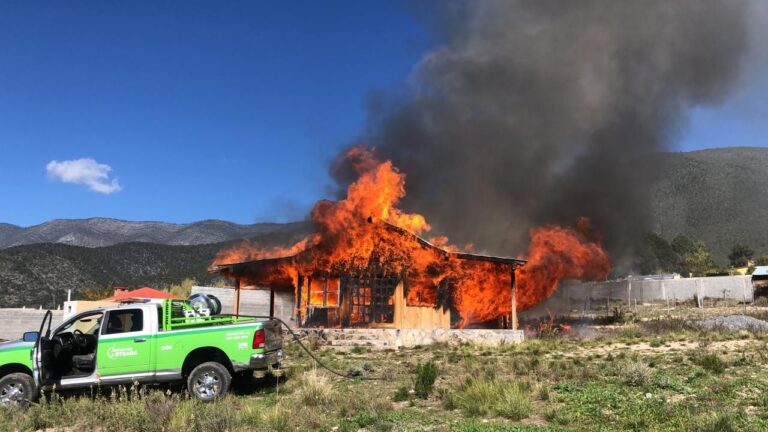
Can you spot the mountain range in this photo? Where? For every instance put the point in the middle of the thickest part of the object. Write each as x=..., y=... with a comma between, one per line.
x=40, y=274
x=719, y=196
x=98, y=232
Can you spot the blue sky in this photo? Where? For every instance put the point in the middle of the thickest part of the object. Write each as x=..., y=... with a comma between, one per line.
x=188, y=111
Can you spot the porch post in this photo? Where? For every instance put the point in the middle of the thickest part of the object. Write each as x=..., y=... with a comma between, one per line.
x=513, y=314
x=237, y=297
x=299, y=288
x=271, y=302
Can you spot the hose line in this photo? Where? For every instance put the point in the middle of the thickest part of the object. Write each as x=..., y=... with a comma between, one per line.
x=297, y=339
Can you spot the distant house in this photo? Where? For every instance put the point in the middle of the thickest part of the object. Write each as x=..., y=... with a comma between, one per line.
x=145, y=293
x=120, y=295
x=760, y=281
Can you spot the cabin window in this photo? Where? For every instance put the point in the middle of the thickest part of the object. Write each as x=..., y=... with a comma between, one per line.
x=324, y=292
x=124, y=321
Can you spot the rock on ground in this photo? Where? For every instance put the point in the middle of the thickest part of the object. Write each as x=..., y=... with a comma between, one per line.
x=733, y=323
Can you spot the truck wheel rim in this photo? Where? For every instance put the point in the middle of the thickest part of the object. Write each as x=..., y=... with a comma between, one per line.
x=207, y=385
x=11, y=392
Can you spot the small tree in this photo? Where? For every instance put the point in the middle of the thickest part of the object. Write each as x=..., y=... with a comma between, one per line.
x=740, y=255
x=426, y=375
x=693, y=256
x=683, y=245
x=699, y=261
x=762, y=260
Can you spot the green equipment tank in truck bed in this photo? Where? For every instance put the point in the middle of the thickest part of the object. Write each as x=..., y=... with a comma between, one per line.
x=139, y=343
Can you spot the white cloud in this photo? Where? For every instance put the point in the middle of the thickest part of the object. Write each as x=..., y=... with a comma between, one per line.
x=86, y=172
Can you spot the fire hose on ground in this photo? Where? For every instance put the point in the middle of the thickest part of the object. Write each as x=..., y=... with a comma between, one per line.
x=296, y=338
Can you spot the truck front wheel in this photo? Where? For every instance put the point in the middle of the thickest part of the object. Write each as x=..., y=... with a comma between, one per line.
x=209, y=381
x=17, y=389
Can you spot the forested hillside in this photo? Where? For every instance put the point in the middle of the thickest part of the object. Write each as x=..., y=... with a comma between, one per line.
x=719, y=196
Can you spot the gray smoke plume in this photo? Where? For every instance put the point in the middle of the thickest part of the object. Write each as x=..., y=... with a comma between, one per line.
x=537, y=112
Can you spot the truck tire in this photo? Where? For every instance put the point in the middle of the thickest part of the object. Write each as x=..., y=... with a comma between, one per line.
x=17, y=389
x=209, y=381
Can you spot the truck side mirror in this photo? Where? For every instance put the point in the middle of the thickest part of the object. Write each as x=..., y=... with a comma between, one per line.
x=30, y=336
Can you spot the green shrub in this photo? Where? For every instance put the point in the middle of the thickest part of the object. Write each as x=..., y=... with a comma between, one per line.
x=762, y=402
x=634, y=373
x=426, y=375
x=720, y=422
x=712, y=363
x=631, y=333
x=401, y=394
x=556, y=415
x=503, y=398
x=448, y=399
x=542, y=392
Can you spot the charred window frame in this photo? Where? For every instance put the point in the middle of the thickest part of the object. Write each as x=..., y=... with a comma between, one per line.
x=329, y=290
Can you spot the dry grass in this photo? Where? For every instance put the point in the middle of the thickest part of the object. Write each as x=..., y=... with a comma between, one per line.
x=634, y=373
x=314, y=389
x=555, y=384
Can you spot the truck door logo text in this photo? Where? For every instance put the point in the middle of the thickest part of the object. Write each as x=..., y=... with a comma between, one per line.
x=116, y=353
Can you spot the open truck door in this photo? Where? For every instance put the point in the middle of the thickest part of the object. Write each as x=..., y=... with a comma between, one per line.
x=42, y=354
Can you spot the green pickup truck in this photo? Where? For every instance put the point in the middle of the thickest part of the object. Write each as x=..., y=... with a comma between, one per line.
x=144, y=343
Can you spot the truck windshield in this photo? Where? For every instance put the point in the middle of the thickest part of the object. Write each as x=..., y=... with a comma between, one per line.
x=88, y=324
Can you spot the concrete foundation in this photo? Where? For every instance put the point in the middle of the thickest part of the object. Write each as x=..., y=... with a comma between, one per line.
x=408, y=338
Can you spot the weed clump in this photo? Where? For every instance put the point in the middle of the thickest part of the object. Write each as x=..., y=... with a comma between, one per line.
x=712, y=363
x=556, y=415
x=314, y=389
x=426, y=375
x=496, y=397
x=634, y=373
x=196, y=416
x=277, y=419
x=401, y=394
x=720, y=422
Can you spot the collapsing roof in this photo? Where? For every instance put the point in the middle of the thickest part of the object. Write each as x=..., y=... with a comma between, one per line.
x=257, y=269
x=350, y=271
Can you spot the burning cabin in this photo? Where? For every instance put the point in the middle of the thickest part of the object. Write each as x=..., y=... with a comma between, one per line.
x=389, y=279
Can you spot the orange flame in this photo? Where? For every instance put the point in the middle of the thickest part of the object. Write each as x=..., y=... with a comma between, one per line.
x=558, y=253
x=349, y=237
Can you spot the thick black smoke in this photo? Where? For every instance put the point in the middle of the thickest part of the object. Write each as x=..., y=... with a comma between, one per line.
x=537, y=112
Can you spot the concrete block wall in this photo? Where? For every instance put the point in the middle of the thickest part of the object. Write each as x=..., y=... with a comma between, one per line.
x=252, y=302
x=720, y=287
x=14, y=322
